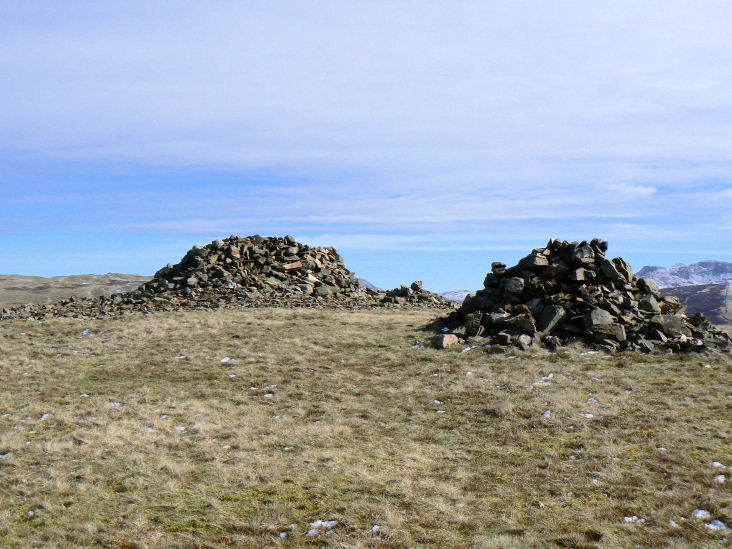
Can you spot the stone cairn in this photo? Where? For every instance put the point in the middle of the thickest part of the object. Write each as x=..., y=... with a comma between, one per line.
x=570, y=292
x=251, y=271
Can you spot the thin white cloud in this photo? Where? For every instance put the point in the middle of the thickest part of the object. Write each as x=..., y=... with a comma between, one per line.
x=383, y=123
x=633, y=190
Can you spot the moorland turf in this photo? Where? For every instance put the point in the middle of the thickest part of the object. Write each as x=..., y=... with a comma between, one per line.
x=132, y=432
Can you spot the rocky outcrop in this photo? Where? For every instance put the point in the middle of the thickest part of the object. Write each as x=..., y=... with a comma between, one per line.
x=569, y=292
x=251, y=271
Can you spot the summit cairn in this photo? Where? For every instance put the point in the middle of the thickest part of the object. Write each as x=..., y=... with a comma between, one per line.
x=570, y=292
x=251, y=271
x=261, y=266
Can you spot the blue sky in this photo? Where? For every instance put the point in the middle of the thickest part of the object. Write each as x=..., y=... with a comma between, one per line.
x=422, y=139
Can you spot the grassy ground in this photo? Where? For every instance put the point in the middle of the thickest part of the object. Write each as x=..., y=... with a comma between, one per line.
x=335, y=416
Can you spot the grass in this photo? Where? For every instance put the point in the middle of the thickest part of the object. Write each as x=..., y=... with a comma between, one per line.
x=334, y=415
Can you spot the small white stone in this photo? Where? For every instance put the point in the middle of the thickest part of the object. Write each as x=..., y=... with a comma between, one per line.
x=437, y=401
x=589, y=416
x=661, y=449
x=164, y=416
x=150, y=429
x=283, y=535
x=700, y=514
x=31, y=513
x=313, y=532
x=268, y=395
x=440, y=411
x=288, y=448
x=115, y=404
x=226, y=359
x=716, y=525
x=180, y=428
x=232, y=376
x=468, y=373
x=44, y=416
x=375, y=528
x=547, y=414
x=6, y=455
x=83, y=395
x=720, y=479
x=718, y=465
x=673, y=524
x=635, y=520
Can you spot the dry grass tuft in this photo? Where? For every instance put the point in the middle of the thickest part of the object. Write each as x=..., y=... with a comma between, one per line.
x=140, y=436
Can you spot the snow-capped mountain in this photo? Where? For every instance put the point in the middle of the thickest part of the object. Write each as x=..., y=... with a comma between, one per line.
x=457, y=295
x=703, y=272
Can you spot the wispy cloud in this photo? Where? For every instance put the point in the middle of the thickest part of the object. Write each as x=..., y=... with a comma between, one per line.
x=371, y=124
x=633, y=190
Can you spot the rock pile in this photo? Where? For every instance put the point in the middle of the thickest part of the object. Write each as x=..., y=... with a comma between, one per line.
x=570, y=292
x=413, y=294
x=239, y=271
x=260, y=266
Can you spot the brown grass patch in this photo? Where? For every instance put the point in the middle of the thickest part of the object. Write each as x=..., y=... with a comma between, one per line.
x=333, y=415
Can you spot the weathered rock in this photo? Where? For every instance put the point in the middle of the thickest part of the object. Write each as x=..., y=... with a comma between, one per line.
x=614, y=330
x=584, y=254
x=442, y=341
x=597, y=317
x=647, y=286
x=670, y=325
x=624, y=268
x=550, y=317
x=514, y=286
x=523, y=342
x=498, y=268
x=608, y=269
x=533, y=262
x=649, y=303
x=472, y=324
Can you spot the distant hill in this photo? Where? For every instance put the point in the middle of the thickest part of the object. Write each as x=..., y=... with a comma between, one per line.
x=714, y=300
x=18, y=289
x=363, y=283
x=703, y=272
